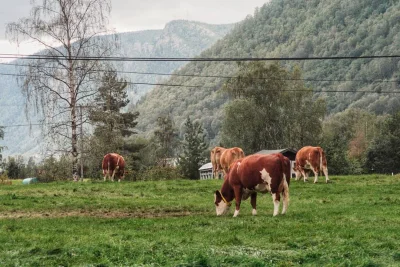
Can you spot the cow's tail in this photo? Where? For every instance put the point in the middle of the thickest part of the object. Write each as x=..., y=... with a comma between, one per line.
x=285, y=162
x=321, y=160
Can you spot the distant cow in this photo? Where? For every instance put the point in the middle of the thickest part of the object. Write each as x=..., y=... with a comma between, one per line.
x=311, y=159
x=252, y=174
x=215, y=160
x=229, y=156
x=113, y=164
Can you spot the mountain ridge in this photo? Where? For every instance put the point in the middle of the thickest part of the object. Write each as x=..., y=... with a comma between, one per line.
x=147, y=43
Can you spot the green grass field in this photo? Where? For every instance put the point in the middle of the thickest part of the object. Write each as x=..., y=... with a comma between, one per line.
x=354, y=221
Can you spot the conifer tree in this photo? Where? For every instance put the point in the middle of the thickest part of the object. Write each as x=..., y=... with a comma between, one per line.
x=193, y=149
x=112, y=127
x=166, y=138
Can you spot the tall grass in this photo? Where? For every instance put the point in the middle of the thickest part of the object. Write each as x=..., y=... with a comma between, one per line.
x=355, y=221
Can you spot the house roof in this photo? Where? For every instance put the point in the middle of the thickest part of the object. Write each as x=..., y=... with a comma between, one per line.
x=206, y=166
x=284, y=150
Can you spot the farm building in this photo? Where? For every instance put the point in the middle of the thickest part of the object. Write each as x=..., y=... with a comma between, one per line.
x=206, y=169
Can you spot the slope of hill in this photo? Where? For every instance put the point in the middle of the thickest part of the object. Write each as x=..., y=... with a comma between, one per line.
x=178, y=39
x=295, y=28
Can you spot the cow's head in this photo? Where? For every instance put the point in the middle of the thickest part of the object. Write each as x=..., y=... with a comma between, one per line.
x=221, y=205
x=297, y=171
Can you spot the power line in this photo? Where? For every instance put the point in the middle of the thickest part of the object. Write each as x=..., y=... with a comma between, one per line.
x=228, y=77
x=194, y=59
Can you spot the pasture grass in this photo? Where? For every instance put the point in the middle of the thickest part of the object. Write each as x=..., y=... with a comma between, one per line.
x=354, y=221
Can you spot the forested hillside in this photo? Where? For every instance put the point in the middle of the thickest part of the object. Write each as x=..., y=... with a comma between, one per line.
x=295, y=28
x=178, y=39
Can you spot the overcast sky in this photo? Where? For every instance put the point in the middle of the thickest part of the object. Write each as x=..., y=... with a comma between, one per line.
x=133, y=15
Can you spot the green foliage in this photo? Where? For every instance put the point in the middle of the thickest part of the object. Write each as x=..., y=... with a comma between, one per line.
x=53, y=169
x=193, y=149
x=346, y=138
x=15, y=167
x=382, y=155
x=112, y=127
x=110, y=123
x=268, y=111
x=285, y=28
x=166, y=137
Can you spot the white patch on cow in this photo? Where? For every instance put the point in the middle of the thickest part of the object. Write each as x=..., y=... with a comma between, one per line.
x=254, y=212
x=236, y=213
x=266, y=178
x=276, y=204
x=222, y=208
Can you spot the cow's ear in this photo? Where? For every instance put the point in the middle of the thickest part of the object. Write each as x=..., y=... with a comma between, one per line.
x=217, y=193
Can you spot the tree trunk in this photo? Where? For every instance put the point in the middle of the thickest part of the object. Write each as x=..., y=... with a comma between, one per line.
x=74, y=137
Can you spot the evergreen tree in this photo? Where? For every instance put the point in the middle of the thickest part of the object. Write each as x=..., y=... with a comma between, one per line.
x=12, y=168
x=166, y=138
x=193, y=149
x=112, y=126
x=110, y=123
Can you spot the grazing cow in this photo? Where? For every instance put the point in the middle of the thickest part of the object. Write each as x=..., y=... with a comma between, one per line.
x=310, y=158
x=113, y=164
x=215, y=160
x=252, y=174
x=229, y=156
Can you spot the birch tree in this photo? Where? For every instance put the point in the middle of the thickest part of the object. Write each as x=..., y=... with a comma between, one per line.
x=63, y=76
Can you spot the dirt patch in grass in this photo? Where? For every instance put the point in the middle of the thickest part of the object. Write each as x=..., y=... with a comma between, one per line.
x=97, y=214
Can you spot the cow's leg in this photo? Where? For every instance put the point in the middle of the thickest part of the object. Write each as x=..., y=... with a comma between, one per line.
x=316, y=175
x=305, y=175
x=285, y=196
x=325, y=170
x=114, y=172
x=254, y=203
x=238, y=197
x=276, y=200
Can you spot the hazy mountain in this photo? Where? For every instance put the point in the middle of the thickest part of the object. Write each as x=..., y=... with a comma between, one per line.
x=178, y=39
x=295, y=28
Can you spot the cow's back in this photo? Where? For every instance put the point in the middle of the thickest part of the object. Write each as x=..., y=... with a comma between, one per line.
x=248, y=171
x=229, y=156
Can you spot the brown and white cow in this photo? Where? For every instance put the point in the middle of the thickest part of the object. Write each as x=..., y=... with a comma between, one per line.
x=113, y=164
x=252, y=174
x=215, y=160
x=229, y=156
x=311, y=158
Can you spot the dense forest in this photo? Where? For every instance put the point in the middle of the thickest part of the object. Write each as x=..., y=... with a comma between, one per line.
x=287, y=28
